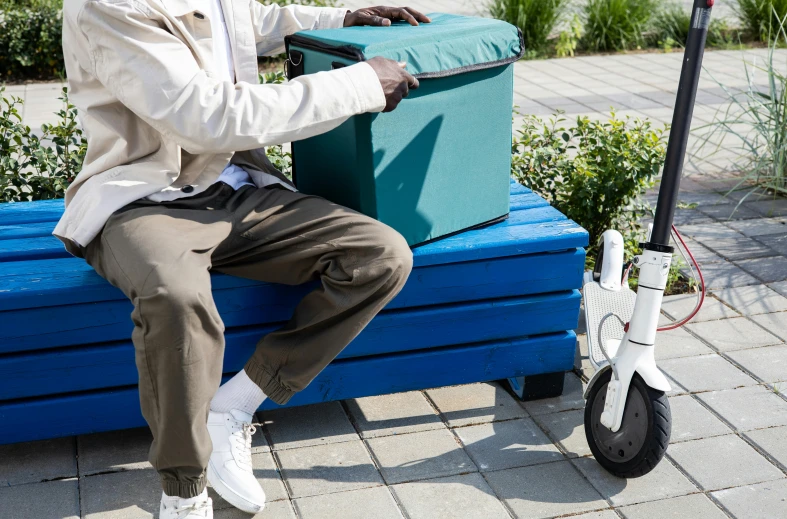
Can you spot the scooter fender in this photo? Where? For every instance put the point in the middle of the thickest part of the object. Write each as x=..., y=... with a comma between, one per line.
x=652, y=376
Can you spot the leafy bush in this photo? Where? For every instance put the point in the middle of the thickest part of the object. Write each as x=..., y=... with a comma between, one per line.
x=38, y=168
x=535, y=18
x=671, y=28
x=616, y=24
x=761, y=18
x=568, y=40
x=594, y=172
x=754, y=124
x=30, y=39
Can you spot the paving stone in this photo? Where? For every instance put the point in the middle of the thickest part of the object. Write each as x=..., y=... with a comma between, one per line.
x=769, y=363
x=701, y=253
x=324, y=469
x=679, y=306
x=694, y=506
x=764, y=501
x=692, y=421
x=393, y=414
x=601, y=514
x=777, y=242
x=572, y=398
x=673, y=344
x=275, y=510
x=723, y=275
x=466, y=495
x=662, y=482
x=504, y=445
x=421, y=455
x=772, y=441
x=32, y=462
x=48, y=500
x=722, y=462
x=131, y=494
x=114, y=451
x=709, y=232
x=475, y=403
x=768, y=270
x=736, y=249
x=374, y=502
x=780, y=287
x=567, y=429
x=705, y=373
x=542, y=491
x=757, y=299
x=690, y=217
x=309, y=425
x=748, y=408
x=760, y=227
x=769, y=208
x=775, y=323
x=728, y=211
x=733, y=334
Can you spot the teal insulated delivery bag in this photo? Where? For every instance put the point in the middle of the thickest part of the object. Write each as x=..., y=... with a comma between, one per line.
x=438, y=164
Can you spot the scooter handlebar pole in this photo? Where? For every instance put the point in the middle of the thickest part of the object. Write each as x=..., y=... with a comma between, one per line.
x=681, y=125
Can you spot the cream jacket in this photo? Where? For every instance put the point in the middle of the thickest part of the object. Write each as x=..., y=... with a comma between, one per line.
x=141, y=73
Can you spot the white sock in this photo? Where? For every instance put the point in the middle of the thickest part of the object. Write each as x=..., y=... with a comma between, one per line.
x=239, y=392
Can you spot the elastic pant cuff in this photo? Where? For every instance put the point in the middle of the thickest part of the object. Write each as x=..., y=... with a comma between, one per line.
x=184, y=489
x=269, y=385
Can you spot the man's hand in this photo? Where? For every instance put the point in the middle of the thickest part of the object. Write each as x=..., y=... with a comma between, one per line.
x=394, y=79
x=383, y=16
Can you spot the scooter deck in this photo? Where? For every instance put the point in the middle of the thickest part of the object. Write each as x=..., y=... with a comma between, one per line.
x=598, y=303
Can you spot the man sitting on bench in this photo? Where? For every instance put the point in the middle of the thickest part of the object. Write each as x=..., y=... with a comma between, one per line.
x=176, y=184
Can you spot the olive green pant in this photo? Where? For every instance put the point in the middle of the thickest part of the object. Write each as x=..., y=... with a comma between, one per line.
x=161, y=254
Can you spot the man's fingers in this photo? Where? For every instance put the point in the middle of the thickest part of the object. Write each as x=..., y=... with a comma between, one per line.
x=411, y=81
x=417, y=15
x=372, y=19
x=403, y=14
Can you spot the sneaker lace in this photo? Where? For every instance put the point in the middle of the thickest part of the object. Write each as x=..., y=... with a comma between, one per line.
x=243, y=441
x=200, y=507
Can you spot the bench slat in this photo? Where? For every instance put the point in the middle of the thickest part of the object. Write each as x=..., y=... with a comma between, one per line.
x=72, y=318
x=98, y=411
x=48, y=247
x=77, y=369
x=17, y=213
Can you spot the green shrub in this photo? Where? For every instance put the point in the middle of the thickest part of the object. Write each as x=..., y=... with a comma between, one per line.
x=594, y=172
x=671, y=28
x=761, y=18
x=38, y=168
x=535, y=18
x=30, y=39
x=616, y=24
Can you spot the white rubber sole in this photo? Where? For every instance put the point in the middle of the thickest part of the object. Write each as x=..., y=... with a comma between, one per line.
x=230, y=495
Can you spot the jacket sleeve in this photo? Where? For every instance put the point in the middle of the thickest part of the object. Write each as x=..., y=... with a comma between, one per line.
x=272, y=23
x=156, y=76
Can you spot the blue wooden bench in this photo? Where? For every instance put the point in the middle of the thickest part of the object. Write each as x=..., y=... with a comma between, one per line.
x=483, y=305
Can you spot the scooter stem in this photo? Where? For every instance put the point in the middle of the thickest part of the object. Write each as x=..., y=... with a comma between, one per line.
x=681, y=125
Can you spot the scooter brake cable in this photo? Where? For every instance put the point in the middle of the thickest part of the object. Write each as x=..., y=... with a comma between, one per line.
x=601, y=344
x=701, y=297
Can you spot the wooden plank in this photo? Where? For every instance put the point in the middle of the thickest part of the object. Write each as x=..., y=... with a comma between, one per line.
x=13, y=248
x=18, y=213
x=539, y=211
x=82, y=308
x=107, y=410
x=76, y=369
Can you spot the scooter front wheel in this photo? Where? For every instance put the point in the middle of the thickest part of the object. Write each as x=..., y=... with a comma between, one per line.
x=641, y=442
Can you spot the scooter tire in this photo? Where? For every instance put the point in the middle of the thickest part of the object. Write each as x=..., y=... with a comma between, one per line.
x=650, y=437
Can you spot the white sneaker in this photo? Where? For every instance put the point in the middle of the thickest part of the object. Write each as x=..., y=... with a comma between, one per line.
x=174, y=507
x=229, y=469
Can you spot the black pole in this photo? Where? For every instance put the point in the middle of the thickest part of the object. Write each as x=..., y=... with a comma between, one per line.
x=681, y=125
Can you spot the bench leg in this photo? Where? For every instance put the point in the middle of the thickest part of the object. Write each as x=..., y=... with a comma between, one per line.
x=535, y=387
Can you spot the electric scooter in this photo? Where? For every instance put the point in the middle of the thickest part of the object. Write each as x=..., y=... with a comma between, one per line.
x=627, y=414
